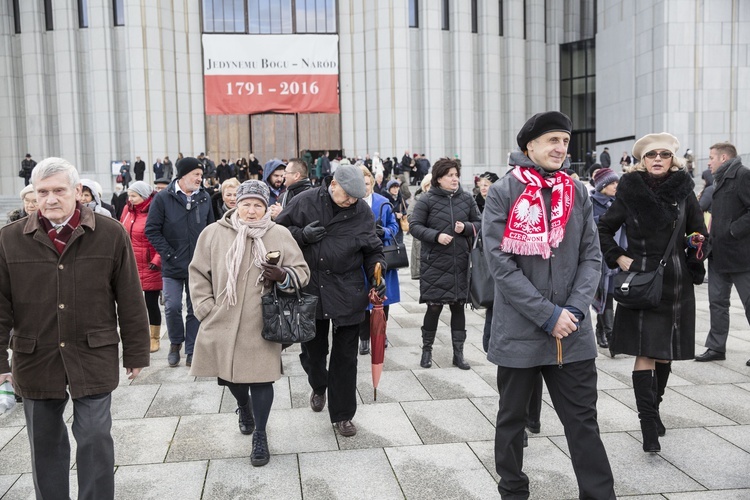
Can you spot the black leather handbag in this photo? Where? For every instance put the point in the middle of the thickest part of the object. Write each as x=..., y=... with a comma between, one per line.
x=395, y=255
x=481, y=282
x=642, y=290
x=289, y=318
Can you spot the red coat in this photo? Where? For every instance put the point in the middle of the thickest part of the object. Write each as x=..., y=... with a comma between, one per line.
x=134, y=220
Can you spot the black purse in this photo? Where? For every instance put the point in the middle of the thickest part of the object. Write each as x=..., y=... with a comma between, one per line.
x=642, y=290
x=289, y=318
x=395, y=255
x=481, y=282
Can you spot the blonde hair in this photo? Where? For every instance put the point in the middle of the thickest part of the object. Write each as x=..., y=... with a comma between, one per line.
x=231, y=182
x=425, y=185
x=640, y=166
x=367, y=173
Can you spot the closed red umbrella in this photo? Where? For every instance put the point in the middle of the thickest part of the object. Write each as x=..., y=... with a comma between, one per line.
x=377, y=332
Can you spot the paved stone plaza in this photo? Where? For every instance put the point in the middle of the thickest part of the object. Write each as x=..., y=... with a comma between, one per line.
x=429, y=436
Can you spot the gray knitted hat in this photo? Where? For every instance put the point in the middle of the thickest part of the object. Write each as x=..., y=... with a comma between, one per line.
x=352, y=180
x=253, y=189
x=143, y=189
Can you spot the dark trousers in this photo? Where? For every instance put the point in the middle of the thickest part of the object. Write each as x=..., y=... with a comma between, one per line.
x=50, y=447
x=340, y=378
x=719, y=292
x=573, y=392
x=178, y=331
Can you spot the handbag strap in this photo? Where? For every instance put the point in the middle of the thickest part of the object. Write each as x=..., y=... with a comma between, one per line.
x=678, y=227
x=296, y=283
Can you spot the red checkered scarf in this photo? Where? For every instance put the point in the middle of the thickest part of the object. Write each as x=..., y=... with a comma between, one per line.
x=60, y=239
x=527, y=231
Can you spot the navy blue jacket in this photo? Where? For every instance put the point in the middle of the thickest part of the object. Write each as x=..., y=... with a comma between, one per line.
x=174, y=230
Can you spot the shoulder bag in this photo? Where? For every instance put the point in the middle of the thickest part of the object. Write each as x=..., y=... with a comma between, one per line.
x=481, y=282
x=289, y=318
x=395, y=255
x=642, y=290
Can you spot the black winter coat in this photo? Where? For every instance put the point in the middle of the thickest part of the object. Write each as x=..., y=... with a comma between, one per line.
x=174, y=230
x=730, y=219
x=668, y=331
x=444, y=269
x=336, y=262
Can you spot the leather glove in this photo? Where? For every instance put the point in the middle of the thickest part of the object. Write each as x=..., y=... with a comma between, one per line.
x=313, y=233
x=153, y=267
x=379, y=230
x=379, y=289
x=273, y=272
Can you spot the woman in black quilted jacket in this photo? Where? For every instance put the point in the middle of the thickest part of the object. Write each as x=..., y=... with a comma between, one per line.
x=445, y=220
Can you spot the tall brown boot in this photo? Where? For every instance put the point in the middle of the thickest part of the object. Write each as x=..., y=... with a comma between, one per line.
x=155, y=337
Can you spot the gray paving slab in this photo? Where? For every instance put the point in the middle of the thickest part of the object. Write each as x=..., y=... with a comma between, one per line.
x=454, y=383
x=132, y=401
x=300, y=430
x=488, y=374
x=394, y=386
x=441, y=471
x=15, y=457
x=162, y=373
x=691, y=450
x=711, y=495
x=158, y=481
x=448, y=421
x=380, y=425
x=202, y=437
x=236, y=478
x=614, y=416
x=143, y=441
x=186, y=399
x=6, y=481
x=738, y=435
x=8, y=433
x=399, y=358
x=714, y=372
x=727, y=400
x=23, y=488
x=331, y=475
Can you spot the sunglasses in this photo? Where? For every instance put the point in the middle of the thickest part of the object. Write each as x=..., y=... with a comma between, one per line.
x=664, y=155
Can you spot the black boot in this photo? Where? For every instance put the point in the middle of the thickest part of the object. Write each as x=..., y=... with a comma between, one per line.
x=260, y=455
x=645, y=401
x=246, y=420
x=609, y=326
x=662, y=376
x=428, y=338
x=459, y=337
x=601, y=338
x=364, y=347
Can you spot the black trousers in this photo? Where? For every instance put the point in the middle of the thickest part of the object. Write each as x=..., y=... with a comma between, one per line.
x=573, y=392
x=340, y=377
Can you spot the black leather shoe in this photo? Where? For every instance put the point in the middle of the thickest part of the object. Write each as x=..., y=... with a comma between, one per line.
x=173, y=358
x=260, y=454
x=534, y=427
x=317, y=401
x=246, y=420
x=364, y=347
x=748, y=362
x=189, y=360
x=711, y=355
x=346, y=428
x=525, y=440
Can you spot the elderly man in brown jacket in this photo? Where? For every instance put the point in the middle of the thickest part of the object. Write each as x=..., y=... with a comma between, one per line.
x=66, y=276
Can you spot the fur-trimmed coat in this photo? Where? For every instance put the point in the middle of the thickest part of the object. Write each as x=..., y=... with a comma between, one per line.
x=649, y=213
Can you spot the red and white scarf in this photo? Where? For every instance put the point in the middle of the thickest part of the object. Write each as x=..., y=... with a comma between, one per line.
x=527, y=231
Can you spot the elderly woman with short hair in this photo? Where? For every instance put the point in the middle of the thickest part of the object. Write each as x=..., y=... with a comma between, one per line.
x=225, y=198
x=28, y=198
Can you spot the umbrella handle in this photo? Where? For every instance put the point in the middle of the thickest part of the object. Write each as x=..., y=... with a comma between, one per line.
x=378, y=273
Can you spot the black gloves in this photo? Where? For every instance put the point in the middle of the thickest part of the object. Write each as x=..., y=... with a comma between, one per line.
x=379, y=289
x=379, y=230
x=153, y=267
x=272, y=272
x=313, y=233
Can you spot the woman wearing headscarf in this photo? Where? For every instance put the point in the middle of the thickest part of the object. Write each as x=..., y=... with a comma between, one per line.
x=134, y=215
x=445, y=220
x=228, y=275
x=386, y=227
x=649, y=201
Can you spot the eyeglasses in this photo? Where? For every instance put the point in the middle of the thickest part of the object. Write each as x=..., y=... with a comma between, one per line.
x=664, y=155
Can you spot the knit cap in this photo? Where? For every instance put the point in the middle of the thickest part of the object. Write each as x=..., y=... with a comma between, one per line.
x=142, y=189
x=603, y=177
x=253, y=189
x=187, y=165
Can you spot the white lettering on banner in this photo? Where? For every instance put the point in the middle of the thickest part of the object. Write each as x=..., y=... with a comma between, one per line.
x=247, y=74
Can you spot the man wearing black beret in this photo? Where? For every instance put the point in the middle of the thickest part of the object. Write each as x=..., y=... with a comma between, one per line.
x=176, y=218
x=544, y=255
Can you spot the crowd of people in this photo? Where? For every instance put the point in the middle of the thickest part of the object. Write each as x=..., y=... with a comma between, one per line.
x=201, y=235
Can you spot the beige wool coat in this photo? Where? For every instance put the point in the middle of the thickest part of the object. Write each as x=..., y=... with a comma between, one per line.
x=229, y=343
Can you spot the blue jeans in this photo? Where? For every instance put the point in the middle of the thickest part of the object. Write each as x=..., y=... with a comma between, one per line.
x=177, y=331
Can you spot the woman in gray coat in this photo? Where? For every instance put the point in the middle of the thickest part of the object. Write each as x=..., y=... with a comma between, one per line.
x=444, y=220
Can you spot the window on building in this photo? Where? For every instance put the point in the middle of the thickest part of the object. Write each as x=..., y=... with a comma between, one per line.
x=502, y=17
x=16, y=17
x=578, y=95
x=315, y=16
x=118, y=9
x=446, y=15
x=83, y=13
x=48, y=21
x=273, y=16
x=224, y=16
x=474, y=17
x=414, y=13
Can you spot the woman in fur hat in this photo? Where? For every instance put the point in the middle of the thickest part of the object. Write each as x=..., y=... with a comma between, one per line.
x=228, y=275
x=648, y=201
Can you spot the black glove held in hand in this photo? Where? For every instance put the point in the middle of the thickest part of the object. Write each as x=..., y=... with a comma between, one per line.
x=273, y=272
x=313, y=233
x=379, y=230
x=379, y=289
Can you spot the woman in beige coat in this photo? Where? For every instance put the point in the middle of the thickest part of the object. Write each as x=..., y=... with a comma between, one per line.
x=228, y=276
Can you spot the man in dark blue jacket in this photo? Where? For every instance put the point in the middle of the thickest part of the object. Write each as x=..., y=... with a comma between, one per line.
x=175, y=220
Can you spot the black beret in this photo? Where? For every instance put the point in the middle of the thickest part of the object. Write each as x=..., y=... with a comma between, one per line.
x=187, y=165
x=540, y=124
